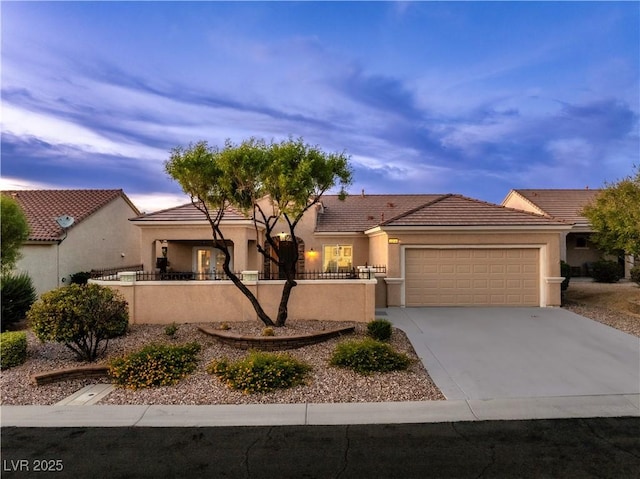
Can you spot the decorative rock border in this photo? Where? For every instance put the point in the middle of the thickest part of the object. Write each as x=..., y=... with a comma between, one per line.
x=274, y=343
x=80, y=372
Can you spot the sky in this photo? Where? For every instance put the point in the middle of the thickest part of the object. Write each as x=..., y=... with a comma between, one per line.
x=474, y=98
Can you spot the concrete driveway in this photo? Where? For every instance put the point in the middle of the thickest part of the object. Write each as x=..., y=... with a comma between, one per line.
x=487, y=353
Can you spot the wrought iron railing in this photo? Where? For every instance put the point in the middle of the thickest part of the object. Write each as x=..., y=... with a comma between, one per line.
x=112, y=275
x=104, y=272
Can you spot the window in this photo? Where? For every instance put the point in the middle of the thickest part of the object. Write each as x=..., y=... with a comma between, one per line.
x=581, y=242
x=208, y=263
x=337, y=258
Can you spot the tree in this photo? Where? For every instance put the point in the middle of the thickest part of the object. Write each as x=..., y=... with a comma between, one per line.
x=15, y=231
x=273, y=183
x=615, y=215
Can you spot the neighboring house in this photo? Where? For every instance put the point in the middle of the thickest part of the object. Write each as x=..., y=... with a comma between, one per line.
x=101, y=235
x=577, y=249
x=436, y=250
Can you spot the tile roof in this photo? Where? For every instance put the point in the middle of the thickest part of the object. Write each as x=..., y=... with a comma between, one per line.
x=458, y=210
x=187, y=212
x=561, y=204
x=42, y=207
x=358, y=213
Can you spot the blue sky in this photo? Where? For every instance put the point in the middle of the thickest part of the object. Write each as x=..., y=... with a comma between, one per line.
x=427, y=97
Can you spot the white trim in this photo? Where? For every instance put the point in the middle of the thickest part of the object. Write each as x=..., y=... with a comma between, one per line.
x=151, y=223
x=542, y=252
x=418, y=228
x=338, y=233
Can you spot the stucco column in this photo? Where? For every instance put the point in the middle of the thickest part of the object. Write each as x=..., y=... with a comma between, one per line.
x=240, y=251
x=563, y=246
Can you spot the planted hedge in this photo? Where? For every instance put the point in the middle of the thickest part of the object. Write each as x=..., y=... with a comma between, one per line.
x=154, y=365
x=368, y=355
x=82, y=317
x=379, y=329
x=13, y=348
x=260, y=372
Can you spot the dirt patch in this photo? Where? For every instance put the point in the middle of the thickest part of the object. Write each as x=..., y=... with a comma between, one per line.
x=615, y=296
x=610, y=304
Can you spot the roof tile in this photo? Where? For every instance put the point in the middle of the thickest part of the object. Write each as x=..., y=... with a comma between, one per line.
x=42, y=207
x=187, y=212
x=560, y=203
x=458, y=210
x=358, y=213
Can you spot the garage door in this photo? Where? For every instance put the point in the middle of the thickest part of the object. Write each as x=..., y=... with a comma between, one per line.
x=472, y=277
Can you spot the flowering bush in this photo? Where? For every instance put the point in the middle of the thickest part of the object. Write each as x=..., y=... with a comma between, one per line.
x=260, y=372
x=82, y=317
x=154, y=365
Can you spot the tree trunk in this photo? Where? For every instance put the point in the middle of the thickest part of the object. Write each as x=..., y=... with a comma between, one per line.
x=264, y=317
x=283, y=310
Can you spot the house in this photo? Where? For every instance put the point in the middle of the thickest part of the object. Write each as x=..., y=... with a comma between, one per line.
x=429, y=250
x=577, y=249
x=73, y=231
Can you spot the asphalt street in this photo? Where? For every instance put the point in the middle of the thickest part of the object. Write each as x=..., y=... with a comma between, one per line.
x=559, y=448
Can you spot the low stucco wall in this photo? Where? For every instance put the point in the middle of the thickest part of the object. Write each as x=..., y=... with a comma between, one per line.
x=163, y=302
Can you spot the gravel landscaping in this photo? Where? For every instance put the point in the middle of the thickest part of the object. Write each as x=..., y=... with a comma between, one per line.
x=326, y=384
x=605, y=303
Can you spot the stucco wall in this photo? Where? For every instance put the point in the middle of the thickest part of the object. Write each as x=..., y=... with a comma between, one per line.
x=39, y=261
x=548, y=242
x=514, y=200
x=103, y=240
x=163, y=302
x=181, y=257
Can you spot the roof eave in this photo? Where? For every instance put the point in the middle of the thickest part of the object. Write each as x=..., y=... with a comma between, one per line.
x=152, y=222
x=400, y=228
x=338, y=233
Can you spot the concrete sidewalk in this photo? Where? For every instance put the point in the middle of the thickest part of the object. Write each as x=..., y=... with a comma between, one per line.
x=321, y=413
x=78, y=410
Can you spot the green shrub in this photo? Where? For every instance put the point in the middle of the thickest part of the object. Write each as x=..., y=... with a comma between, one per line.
x=171, y=330
x=81, y=317
x=268, y=331
x=17, y=296
x=379, y=329
x=368, y=355
x=260, y=372
x=635, y=274
x=605, y=271
x=565, y=271
x=81, y=277
x=154, y=365
x=13, y=349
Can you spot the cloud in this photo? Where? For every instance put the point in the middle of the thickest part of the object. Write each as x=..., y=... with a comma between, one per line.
x=381, y=92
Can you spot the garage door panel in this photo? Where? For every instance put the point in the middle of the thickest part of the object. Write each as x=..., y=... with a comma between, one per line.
x=455, y=277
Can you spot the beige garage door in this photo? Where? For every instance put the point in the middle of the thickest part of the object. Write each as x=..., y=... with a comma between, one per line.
x=472, y=277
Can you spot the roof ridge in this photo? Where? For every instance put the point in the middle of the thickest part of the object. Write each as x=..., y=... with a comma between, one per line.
x=516, y=210
x=556, y=189
x=368, y=195
x=417, y=208
x=527, y=200
x=144, y=215
x=48, y=190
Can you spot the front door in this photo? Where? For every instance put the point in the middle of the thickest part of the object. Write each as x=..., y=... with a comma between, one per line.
x=287, y=255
